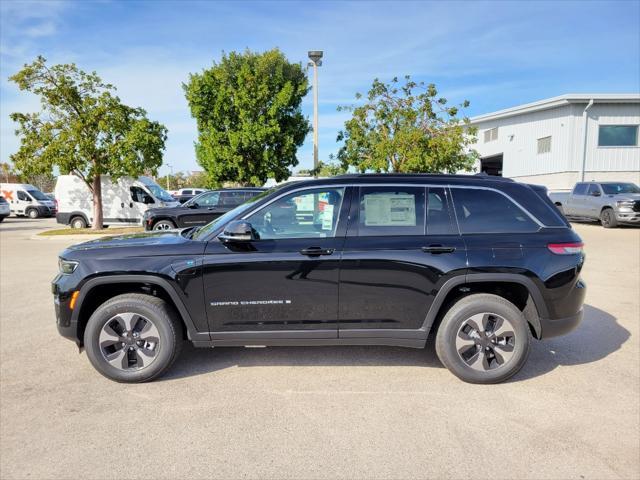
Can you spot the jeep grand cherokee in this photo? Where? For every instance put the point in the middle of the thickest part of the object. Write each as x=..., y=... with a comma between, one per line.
x=484, y=264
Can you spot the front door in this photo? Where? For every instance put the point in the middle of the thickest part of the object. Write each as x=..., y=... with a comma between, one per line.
x=286, y=282
x=401, y=246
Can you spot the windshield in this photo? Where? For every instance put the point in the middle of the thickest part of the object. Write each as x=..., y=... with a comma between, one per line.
x=38, y=195
x=615, y=188
x=159, y=192
x=206, y=230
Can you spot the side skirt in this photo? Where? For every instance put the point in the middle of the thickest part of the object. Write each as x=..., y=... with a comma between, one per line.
x=311, y=342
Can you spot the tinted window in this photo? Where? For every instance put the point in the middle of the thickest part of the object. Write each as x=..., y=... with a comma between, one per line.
x=23, y=196
x=2, y=200
x=38, y=195
x=615, y=188
x=580, y=189
x=391, y=211
x=210, y=199
x=308, y=214
x=439, y=221
x=487, y=211
x=138, y=195
x=231, y=199
x=187, y=192
x=618, y=136
x=592, y=189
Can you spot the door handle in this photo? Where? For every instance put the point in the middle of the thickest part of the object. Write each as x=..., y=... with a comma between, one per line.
x=316, y=251
x=130, y=204
x=438, y=249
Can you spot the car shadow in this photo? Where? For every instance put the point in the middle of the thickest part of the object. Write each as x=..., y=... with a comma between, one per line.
x=597, y=336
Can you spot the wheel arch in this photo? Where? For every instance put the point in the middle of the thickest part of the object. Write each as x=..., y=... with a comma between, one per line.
x=517, y=288
x=164, y=217
x=98, y=290
x=75, y=214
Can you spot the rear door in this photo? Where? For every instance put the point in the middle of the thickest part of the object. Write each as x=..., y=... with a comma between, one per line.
x=200, y=210
x=593, y=201
x=402, y=245
x=576, y=202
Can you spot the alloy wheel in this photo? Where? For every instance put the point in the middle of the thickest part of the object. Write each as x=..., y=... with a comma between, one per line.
x=129, y=341
x=163, y=226
x=485, y=341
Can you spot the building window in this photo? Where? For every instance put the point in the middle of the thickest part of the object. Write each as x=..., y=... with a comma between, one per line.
x=491, y=135
x=544, y=145
x=618, y=136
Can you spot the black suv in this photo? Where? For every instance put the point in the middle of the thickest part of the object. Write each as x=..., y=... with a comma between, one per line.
x=200, y=210
x=484, y=264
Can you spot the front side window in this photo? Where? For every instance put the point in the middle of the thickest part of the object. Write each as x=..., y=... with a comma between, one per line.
x=139, y=195
x=391, y=211
x=593, y=190
x=580, y=189
x=210, y=199
x=487, y=211
x=307, y=214
x=618, y=136
x=23, y=196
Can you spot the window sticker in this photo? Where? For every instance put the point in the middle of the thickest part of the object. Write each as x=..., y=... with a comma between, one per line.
x=327, y=217
x=390, y=210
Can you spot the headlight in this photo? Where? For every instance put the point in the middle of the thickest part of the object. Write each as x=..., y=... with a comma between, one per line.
x=67, y=267
x=626, y=204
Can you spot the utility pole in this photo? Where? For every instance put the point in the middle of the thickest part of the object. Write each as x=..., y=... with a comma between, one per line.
x=316, y=60
x=170, y=168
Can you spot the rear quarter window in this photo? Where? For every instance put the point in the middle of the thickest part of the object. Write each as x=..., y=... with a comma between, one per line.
x=488, y=211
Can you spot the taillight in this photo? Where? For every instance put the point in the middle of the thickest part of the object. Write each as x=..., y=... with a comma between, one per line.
x=566, y=248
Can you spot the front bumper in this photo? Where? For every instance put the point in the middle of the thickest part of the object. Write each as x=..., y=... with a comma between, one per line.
x=67, y=327
x=628, y=217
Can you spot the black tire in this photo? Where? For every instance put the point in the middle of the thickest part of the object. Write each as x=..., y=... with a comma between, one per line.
x=2, y=219
x=164, y=225
x=33, y=213
x=456, y=320
x=163, y=318
x=608, y=218
x=78, y=222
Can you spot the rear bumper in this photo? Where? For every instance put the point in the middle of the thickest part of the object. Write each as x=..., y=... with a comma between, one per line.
x=559, y=326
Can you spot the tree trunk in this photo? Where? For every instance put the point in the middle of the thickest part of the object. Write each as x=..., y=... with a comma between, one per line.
x=97, y=203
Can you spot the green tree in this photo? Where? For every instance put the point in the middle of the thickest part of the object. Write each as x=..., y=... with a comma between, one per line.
x=247, y=109
x=325, y=169
x=407, y=128
x=83, y=129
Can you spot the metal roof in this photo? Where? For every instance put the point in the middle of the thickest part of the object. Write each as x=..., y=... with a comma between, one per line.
x=560, y=101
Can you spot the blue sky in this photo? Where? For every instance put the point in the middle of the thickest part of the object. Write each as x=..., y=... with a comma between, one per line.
x=495, y=54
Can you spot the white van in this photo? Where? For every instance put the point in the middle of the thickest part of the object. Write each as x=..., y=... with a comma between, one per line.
x=123, y=201
x=27, y=200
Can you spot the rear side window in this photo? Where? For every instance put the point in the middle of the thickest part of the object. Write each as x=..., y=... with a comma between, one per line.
x=231, y=199
x=391, y=211
x=487, y=211
x=580, y=189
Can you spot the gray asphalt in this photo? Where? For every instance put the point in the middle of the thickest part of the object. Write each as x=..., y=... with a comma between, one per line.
x=321, y=412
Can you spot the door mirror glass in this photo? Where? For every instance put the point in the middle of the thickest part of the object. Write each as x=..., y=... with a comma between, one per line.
x=238, y=231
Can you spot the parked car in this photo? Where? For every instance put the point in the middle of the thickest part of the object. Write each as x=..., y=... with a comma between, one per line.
x=26, y=200
x=611, y=203
x=483, y=264
x=123, y=201
x=5, y=209
x=185, y=194
x=200, y=210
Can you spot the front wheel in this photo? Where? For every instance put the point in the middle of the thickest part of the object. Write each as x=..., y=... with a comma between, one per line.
x=608, y=218
x=483, y=338
x=164, y=225
x=33, y=213
x=133, y=338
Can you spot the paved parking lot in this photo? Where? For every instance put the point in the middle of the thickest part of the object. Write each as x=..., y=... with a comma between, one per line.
x=321, y=412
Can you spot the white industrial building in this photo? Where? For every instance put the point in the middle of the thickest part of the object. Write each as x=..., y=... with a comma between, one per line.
x=562, y=140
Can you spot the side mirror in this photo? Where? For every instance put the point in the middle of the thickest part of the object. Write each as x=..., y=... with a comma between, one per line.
x=596, y=193
x=238, y=231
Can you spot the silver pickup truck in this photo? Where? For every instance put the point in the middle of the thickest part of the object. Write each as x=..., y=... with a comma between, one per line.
x=611, y=203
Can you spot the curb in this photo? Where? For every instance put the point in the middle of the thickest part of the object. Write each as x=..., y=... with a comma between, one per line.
x=79, y=238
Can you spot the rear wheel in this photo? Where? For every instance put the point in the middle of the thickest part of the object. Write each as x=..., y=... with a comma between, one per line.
x=78, y=222
x=608, y=218
x=164, y=225
x=33, y=213
x=133, y=338
x=483, y=338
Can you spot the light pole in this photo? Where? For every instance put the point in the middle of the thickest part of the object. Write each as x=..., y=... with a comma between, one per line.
x=316, y=60
x=170, y=168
